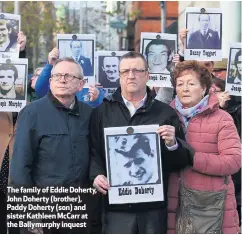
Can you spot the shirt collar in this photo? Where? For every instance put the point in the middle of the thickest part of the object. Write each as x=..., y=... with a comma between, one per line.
x=140, y=104
x=73, y=110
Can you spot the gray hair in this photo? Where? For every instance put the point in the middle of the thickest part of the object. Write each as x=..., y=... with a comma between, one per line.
x=71, y=60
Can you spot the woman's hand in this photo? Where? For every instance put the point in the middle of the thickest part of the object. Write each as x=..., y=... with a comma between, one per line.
x=223, y=97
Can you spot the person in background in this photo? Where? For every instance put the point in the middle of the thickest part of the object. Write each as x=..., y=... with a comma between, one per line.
x=31, y=85
x=232, y=105
x=211, y=132
x=7, y=137
x=220, y=69
x=218, y=87
x=93, y=96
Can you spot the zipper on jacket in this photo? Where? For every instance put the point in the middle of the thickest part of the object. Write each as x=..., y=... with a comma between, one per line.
x=72, y=151
x=138, y=111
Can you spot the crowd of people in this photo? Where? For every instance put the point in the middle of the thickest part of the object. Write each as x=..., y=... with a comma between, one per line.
x=58, y=140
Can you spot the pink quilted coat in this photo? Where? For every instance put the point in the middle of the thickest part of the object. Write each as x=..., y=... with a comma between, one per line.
x=213, y=136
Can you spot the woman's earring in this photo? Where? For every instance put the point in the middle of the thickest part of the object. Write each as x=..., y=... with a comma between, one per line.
x=203, y=95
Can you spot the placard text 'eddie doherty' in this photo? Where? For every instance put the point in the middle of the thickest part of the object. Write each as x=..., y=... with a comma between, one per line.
x=136, y=190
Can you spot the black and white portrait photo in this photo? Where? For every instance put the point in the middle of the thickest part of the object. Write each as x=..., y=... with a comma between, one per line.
x=107, y=70
x=133, y=160
x=9, y=29
x=234, y=71
x=13, y=90
x=80, y=47
x=204, y=37
x=136, y=159
x=159, y=50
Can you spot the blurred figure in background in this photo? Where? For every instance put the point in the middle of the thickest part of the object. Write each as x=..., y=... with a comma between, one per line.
x=231, y=104
x=220, y=69
x=31, y=85
x=218, y=87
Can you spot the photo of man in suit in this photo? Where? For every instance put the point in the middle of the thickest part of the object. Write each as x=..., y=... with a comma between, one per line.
x=78, y=55
x=204, y=37
x=8, y=38
x=8, y=77
x=236, y=79
x=108, y=71
x=158, y=56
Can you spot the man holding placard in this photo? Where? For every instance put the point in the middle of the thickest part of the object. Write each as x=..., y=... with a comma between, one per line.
x=134, y=105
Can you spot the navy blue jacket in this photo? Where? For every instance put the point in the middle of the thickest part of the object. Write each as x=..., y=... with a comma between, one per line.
x=51, y=145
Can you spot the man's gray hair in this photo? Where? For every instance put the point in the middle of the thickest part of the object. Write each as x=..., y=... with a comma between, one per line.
x=71, y=60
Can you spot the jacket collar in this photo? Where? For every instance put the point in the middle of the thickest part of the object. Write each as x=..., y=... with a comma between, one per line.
x=213, y=104
x=117, y=97
x=59, y=105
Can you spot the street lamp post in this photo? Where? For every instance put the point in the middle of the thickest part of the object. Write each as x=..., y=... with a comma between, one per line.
x=163, y=16
x=165, y=94
x=16, y=7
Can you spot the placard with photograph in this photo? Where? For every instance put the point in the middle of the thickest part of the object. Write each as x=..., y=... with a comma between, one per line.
x=9, y=29
x=204, y=37
x=234, y=70
x=133, y=158
x=159, y=50
x=13, y=84
x=81, y=47
x=108, y=70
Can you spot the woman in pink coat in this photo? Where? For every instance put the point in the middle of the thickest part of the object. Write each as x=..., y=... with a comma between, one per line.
x=212, y=134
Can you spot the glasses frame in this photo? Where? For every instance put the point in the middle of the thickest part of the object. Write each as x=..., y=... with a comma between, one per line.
x=134, y=71
x=67, y=77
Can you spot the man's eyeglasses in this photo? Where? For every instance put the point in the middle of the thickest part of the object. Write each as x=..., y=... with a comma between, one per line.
x=68, y=77
x=125, y=72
